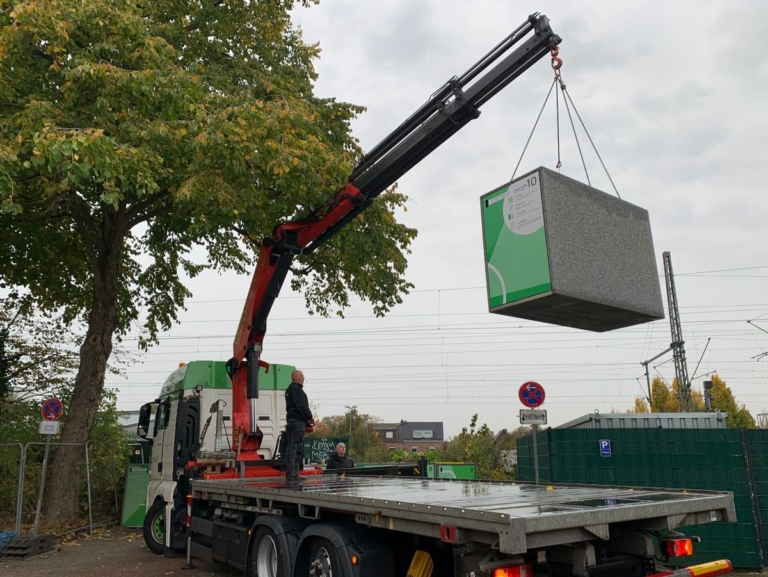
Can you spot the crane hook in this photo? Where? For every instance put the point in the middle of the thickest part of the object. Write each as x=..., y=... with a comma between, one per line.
x=556, y=62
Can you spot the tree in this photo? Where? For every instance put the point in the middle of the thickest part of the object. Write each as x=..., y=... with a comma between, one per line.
x=723, y=400
x=30, y=366
x=132, y=133
x=477, y=444
x=507, y=440
x=666, y=400
x=641, y=406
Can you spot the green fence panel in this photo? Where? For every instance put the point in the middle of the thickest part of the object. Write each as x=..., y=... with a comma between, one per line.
x=706, y=459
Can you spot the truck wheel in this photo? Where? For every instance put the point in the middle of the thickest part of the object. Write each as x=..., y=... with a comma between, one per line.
x=323, y=560
x=265, y=559
x=154, y=527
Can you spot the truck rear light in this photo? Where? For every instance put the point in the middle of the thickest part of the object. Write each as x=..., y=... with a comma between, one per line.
x=514, y=571
x=677, y=547
x=705, y=570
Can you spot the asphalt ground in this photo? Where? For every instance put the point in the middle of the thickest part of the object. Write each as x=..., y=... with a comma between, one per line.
x=110, y=552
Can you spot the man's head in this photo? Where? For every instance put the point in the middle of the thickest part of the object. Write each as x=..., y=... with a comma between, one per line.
x=341, y=449
x=297, y=377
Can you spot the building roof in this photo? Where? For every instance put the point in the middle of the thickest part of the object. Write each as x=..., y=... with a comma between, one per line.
x=412, y=430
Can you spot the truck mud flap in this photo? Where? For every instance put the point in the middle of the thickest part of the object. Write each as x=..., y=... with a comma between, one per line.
x=230, y=544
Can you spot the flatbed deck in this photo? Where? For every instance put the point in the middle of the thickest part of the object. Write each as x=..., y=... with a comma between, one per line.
x=517, y=516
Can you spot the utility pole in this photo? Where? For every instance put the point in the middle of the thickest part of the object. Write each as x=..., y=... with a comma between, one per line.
x=677, y=345
x=648, y=376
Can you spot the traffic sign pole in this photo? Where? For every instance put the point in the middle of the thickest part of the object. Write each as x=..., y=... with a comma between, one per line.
x=42, y=485
x=532, y=395
x=51, y=410
x=535, y=455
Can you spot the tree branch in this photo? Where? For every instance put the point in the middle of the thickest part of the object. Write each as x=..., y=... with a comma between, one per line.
x=158, y=210
x=302, y=271
x=136, y=209
x=82, y=218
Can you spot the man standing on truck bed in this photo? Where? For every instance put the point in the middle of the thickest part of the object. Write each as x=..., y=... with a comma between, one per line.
x=298, y=416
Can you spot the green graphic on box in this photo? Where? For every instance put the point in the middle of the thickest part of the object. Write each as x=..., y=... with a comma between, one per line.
x=517, y=265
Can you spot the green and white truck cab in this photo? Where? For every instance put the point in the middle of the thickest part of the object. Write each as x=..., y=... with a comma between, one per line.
x=192, y=419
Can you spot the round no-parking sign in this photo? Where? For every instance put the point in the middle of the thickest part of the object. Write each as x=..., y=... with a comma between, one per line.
x=531, y=394
x=52, y=409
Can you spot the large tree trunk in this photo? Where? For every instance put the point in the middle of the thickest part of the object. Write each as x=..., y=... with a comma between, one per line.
x=65, y=475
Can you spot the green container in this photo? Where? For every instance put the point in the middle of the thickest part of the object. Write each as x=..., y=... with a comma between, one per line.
x=140, y=452
x=452, y=471
x=135, y=497
x=559, y=251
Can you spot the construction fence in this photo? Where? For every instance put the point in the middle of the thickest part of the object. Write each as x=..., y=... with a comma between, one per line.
x=733, y=460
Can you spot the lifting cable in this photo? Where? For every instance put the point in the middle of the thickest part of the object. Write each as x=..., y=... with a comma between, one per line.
x=556, y=64
x=535, y=124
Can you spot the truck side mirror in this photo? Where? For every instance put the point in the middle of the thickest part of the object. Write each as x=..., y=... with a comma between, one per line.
x=145, y=413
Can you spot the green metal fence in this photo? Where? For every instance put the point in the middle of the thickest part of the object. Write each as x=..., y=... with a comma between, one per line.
x=710, y=459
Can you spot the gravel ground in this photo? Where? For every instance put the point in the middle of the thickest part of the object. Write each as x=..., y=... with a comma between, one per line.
x=113, y=553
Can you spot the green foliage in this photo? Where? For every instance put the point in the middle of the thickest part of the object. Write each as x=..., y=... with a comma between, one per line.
x=401, y=456
x=133, y=133
x=665, y=400
x=477, y=445
x=108, y=454
x=140, y=131
x=40, y=360
x=365, y=445
x=640, y=406
x=723, y=400
x=38, y=353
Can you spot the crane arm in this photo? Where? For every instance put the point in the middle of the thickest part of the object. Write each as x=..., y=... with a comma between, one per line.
x=448, y=110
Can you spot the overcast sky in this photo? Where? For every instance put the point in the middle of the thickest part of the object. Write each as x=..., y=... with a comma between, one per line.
x=673, y=95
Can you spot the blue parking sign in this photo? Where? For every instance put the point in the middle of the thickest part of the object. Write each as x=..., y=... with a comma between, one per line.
x=605, y=447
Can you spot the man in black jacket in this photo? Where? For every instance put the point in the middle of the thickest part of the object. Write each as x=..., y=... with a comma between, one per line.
x=297, y=416
x=340, y=459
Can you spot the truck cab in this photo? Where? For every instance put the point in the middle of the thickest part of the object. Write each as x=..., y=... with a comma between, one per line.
x=192, y=419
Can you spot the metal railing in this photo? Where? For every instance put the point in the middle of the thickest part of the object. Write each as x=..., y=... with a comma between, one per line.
x=41, y=491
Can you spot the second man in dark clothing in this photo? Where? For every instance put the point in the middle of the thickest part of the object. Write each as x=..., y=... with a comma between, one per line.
x=298, y=416
x=340, y=459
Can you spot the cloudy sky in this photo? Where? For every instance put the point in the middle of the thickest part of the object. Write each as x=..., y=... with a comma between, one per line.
x=673, y=95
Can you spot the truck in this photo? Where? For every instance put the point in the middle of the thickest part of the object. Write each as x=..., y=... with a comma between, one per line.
x=218, y=489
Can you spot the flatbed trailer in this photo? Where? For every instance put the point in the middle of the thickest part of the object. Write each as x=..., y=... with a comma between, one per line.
x=369, y=526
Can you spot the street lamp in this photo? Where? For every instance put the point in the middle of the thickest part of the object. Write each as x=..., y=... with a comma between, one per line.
x=350, y=408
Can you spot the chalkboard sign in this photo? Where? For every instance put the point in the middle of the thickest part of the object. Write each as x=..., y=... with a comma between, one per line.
x=317, y=450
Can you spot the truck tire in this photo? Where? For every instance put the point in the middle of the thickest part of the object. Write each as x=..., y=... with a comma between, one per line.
x=324, y=560
x=154, y=527
x=266, y=560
